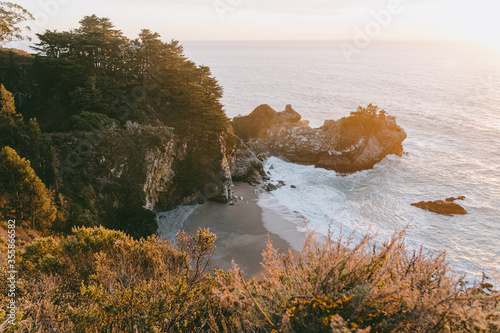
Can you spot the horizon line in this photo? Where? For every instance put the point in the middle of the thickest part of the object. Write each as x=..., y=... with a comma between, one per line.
x=400, y=41
x=332, y=40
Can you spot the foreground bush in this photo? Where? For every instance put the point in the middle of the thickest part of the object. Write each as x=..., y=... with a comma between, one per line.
x=339, y=286
x=97, y=280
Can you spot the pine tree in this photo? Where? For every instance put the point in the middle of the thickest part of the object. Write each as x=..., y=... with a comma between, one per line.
x=24, y=196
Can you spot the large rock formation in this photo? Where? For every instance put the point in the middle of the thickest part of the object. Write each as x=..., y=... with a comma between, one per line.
x=347, y=145
x=245, y=166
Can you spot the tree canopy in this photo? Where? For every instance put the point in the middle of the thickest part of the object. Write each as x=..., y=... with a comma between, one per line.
x=95, y=68
x=7, y=104
x=11, y=122
x=11, y=15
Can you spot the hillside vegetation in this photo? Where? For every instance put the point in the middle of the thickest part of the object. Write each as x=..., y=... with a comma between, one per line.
x=96, y=280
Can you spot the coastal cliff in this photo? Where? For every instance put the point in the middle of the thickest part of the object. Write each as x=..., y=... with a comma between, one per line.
x=116, y=144
x=121, y=177
x=347, y=145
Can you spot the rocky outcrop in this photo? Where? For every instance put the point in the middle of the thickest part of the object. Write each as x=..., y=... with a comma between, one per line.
x=446, y=207
x=246, y=166
x=271, y=187
x=256, y=124
x=204, y=174
x=347, y=145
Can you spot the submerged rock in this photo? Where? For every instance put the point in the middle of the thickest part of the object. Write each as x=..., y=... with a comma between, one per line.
x=347, y=145
x=271, y=187
x=446, y=207
x=455, y=199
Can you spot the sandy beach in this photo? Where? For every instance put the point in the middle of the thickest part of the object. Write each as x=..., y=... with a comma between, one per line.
x=241, y=231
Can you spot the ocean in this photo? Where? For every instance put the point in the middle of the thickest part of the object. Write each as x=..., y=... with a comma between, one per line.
x=446, y=96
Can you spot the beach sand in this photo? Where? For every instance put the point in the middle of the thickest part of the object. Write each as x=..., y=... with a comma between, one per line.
x=241, y=232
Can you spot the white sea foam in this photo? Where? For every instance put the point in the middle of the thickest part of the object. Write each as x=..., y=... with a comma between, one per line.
x=169, y=223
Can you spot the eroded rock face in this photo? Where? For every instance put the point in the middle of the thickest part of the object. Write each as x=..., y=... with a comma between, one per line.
x=160, y=172
x=246, y=166
x=446, y=207
x=194, y=171
x=347, y=145
x=203, y=174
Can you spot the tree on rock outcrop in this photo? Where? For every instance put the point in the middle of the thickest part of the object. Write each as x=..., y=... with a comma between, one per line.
x=23, y=196
x=370, y=111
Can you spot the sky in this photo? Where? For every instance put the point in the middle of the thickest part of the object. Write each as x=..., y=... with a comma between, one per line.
x=215, y=20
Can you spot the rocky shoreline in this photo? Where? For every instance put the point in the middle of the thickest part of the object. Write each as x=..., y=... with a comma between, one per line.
x=347, y=145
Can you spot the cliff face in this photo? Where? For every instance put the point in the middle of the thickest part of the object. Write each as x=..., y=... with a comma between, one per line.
x=347, y=145
x=119, y=178
x=102, y=165
x=160, y=174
